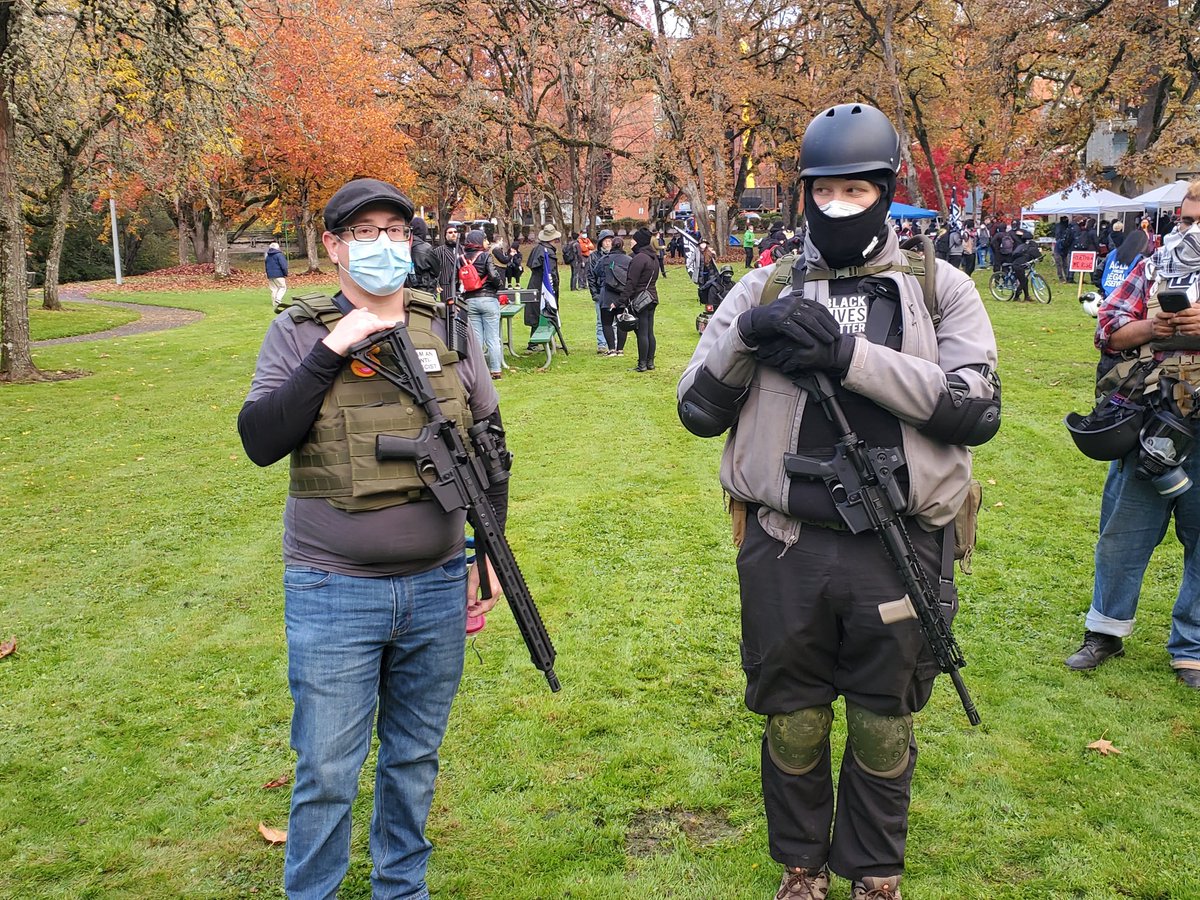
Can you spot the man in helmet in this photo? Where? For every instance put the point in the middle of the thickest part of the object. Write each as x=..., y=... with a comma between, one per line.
x=1134, y=513
x=910, y=374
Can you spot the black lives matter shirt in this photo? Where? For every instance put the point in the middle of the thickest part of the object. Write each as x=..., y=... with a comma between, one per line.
x=852, y=306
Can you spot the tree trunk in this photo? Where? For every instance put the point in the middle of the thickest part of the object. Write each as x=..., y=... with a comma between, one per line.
x=183, y=231
x=16, y=363
x=311, y=245
x=62, y=212
x=218, y=232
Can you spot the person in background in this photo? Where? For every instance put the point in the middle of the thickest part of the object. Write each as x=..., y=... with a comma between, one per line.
x=595, y=282
x=482, y=303
x=514, y=267
x=611, y=299
x=426, y=260
x=983, y=243
x=276, y=266
x=643, y=273
x=748, y=246
x=448, y=262
x=1026, y=251
x=968, y=249
x=1117, y=235
x=660, y=249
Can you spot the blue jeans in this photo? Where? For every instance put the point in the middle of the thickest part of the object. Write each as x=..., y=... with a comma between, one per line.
x=1133, y=521
x=600, y=341
x=983, y=256
x=484, y=315
x=357, y=646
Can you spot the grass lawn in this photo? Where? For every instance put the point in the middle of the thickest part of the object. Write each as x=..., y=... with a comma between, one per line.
x=147, y=703
x=73, y=319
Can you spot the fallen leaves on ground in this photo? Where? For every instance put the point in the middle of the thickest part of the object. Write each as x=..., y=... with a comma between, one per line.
x=272, y=835
x=278, y=782
x=1104, y=748
x=8, y=648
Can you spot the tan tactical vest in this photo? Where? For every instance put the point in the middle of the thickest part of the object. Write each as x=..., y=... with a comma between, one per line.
x=338, y=461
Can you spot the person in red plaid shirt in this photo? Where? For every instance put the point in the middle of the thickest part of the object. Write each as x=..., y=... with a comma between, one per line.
x=1134, y=516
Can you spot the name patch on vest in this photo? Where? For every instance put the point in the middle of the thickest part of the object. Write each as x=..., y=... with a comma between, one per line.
x=429, y=359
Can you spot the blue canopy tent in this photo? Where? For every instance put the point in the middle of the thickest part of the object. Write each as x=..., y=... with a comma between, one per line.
x=900, y=210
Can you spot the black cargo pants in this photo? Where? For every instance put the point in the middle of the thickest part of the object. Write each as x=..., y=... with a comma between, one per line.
x=811, y=630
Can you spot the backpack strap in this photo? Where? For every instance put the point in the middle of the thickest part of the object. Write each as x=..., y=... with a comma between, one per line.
x=921, y=265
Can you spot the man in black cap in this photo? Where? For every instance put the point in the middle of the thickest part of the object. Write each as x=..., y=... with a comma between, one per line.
x=376, y=585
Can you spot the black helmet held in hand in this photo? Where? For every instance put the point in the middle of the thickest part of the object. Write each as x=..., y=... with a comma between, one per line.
x=849, y=139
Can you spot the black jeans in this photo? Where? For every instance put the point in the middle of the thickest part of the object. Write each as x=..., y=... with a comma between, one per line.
x=645, y=335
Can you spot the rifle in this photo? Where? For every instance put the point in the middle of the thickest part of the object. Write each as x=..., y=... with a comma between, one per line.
x=862, y=482
x=458, y=481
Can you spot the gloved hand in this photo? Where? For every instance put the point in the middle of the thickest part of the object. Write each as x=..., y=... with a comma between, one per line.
x=794, y=358
x=792, y=316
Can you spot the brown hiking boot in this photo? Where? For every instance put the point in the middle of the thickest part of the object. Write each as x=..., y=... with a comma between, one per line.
x=876, y=889
x=803, y=885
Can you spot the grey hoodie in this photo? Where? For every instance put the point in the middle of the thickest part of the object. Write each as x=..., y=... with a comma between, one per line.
x=907, y=382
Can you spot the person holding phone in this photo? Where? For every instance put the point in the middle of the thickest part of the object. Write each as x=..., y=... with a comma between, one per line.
x=1154, y=307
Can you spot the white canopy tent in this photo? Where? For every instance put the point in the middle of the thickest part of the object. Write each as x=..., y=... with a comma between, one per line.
x=1166, y=197
x=1082, y=198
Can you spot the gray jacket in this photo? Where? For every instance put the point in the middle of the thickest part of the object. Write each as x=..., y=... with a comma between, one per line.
x=907, y=382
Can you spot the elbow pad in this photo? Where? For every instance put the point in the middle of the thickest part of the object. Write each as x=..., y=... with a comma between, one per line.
x=710, y=406
x=962, y=419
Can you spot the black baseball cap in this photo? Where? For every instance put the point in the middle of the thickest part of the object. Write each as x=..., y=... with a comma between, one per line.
x=354, y=195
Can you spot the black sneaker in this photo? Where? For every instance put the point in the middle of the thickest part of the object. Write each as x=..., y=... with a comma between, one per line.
x=1096, y=649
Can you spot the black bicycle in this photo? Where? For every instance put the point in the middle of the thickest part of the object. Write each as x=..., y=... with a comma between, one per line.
x=1004, y=284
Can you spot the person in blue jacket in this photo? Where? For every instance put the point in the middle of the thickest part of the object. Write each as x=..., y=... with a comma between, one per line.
x=277, y=270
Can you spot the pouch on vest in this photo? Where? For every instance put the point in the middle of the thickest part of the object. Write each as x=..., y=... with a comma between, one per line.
x=966, y=524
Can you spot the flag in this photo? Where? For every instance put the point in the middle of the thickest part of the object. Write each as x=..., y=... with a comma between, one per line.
x=955, y=211
x=691, y=255
x=549, y=301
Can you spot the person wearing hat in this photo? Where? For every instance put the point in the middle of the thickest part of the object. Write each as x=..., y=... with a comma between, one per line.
x=543, y=258
x=816, y=597
x=482, y=303
x=643, y=273
x=595, y=283
x=276, y=265
x=376, y=586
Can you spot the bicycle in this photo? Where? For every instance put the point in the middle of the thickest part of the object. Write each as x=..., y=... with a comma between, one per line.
x=1004, y=284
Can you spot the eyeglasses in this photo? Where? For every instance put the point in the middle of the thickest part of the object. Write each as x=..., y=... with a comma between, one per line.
x=368, y=233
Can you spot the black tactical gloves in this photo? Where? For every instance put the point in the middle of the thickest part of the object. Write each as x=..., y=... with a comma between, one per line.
x=792, y=316
x=797, y=335
x=794, y=358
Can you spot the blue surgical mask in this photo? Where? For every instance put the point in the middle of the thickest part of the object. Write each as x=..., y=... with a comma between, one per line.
x=380, y=267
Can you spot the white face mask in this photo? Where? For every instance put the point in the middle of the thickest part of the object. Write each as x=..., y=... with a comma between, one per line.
x=841, y=209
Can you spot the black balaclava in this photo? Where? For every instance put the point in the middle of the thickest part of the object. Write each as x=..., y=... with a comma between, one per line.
x=851, y=241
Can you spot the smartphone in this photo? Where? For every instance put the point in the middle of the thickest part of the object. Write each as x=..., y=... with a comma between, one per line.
x=1173, y=301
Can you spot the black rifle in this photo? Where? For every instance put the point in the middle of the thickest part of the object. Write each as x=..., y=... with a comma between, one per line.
x=862, y=482
x=458, y=480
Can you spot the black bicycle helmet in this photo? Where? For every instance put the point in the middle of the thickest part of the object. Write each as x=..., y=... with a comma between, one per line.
x=848, y=139
x=1106, y=436
x=626, y=321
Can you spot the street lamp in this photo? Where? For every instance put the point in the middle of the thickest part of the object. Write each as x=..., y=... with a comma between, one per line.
x=994, y=178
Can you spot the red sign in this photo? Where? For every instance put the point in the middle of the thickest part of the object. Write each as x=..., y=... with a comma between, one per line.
x=1082, y=261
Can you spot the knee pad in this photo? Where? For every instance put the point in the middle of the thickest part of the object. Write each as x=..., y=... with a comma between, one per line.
x=796, y=740
x=880, y=744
